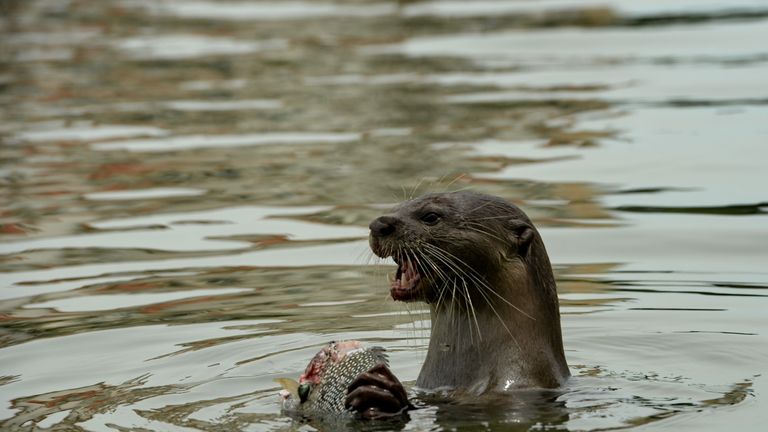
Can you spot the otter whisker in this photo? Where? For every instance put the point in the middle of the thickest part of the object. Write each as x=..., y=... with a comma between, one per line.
x=433, y=272
x=492, y=291
x=465, y=307
x=487, y=300
x=443, y=289
x=453, y=302
x=487, y=203
x=482, y=285
x=465, y=296
x=479, y=281
x=466, y=188
x=508, y=302
x=445, y=188
x=415, y=188
x=454, y=310
x=472, y=310
x=437, y=275
x=410, y=253
x=439, y=272
x=379, y=271
x=476, y=227
x=442, y=255
x=493, y=217
x=468, y=304
x=501, y=320
x=441, y=298
x=448, y=259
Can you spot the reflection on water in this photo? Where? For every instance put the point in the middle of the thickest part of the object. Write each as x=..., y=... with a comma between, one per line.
x=187, y=187
x=703, y=42
x=204, y=141
x=81, y=131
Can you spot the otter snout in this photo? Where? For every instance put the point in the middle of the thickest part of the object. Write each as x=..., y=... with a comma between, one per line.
x=383, y=226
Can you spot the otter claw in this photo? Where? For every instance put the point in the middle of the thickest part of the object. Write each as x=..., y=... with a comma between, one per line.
x=377, y=393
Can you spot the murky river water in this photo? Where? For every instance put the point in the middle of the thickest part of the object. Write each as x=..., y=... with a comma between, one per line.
x=186, y=187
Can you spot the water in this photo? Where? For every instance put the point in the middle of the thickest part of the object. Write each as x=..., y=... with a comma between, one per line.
x=187, y=185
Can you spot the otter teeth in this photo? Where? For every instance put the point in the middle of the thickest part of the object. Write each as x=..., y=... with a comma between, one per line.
x=406, y=276
x=404, y=268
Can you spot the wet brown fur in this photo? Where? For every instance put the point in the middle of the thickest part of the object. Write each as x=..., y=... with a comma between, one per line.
x=492, y=295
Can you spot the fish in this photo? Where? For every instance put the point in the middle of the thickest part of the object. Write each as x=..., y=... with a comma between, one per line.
x=322, y=388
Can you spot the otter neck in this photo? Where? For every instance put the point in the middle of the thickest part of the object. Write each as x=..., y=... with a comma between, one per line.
x=497, y=346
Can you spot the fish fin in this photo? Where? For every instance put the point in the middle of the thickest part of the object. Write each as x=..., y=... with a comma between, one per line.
x=291, y=385
x=381, y=355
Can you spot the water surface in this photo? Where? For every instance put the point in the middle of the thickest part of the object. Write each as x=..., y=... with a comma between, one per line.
x=187, y=187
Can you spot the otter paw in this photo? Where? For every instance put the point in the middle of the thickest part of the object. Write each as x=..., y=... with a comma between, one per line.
x=377, y=393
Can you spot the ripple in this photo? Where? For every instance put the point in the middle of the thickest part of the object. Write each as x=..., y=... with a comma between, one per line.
x=24, y=283
x=357, y=79
x=665, y=148
x=628, y=83
x=227, y=105
x=205, y=85
x=735, y=209
x=175, y=235
x=714, y=42
x=78, y=367
x=120, y=301
x=50, y=110
x=84, y=131
x=47, y=54
x=262, y=10
x=74, y=36
x=331, y=303
x=683, y=248
x=533, y=150
x=630, y=8
x=214, y=141
x=136, y=194
x=186, y=46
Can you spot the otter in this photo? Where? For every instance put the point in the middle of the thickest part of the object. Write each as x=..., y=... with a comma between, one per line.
x=482, y=267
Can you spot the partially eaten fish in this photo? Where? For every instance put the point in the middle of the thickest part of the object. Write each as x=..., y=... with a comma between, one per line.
x=322, y=388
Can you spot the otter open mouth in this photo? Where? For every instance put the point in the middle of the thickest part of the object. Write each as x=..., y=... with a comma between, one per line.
x=407, y=283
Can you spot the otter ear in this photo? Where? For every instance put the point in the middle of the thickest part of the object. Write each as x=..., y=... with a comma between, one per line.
x=522, y=237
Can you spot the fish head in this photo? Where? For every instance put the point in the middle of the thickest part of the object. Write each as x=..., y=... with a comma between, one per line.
x=332, y=353
x=289, y=395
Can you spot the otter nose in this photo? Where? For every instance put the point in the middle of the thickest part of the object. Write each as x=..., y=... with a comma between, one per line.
x=383, y=226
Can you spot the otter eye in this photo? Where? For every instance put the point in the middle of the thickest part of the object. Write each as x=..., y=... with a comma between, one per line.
x=430, y=218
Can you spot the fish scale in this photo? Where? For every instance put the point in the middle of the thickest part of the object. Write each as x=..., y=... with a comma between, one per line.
x=330, y=393
x=335, y=367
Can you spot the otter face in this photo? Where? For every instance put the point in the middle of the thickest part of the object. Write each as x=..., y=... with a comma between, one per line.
x=449, y=242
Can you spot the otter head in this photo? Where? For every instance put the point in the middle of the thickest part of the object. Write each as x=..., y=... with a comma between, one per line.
x=452, y=243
